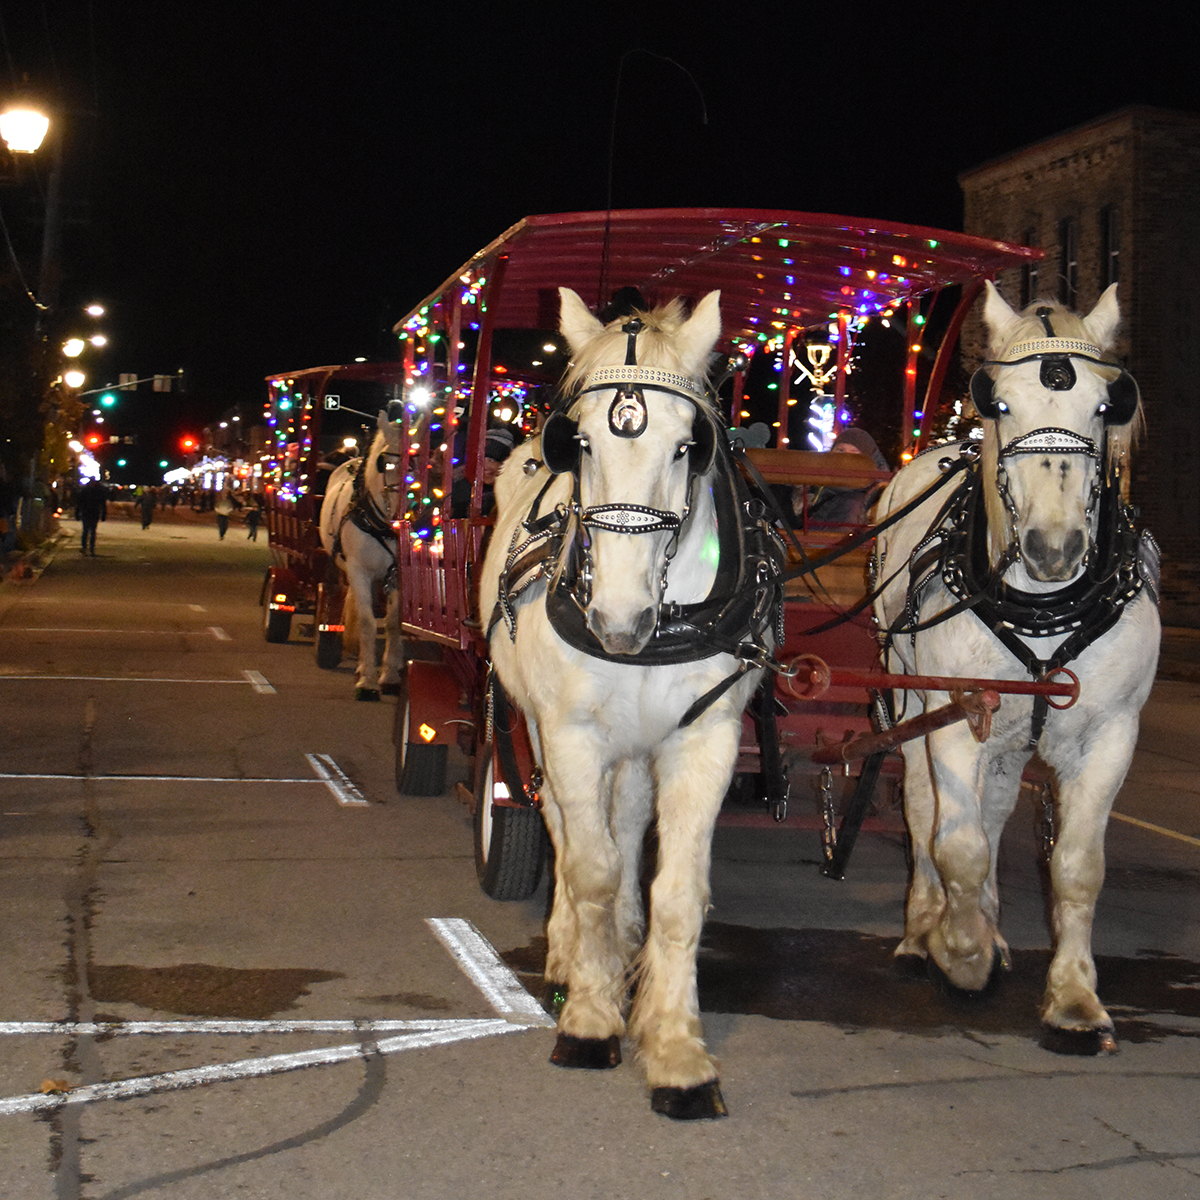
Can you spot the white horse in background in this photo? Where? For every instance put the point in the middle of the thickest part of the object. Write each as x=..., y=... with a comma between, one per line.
x=1049, y=556
x=360, y=505
x=635, y=477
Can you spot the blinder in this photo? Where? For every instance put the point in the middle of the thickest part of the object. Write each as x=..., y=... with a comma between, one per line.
x=1058, y=374
x=628, y=416
x=561, y=450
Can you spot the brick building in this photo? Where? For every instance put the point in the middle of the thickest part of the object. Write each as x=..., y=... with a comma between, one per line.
x=1118, y=200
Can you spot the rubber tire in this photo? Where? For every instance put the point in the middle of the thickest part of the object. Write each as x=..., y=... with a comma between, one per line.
x=277, y=626
x=510, y=843
x=420, y=769
x=329, y=649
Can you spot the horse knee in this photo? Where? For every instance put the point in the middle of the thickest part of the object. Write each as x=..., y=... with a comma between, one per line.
x=964, y=861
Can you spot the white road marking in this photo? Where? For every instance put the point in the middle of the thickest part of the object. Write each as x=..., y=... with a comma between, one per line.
x=259, y=683
x=469, y=948
x=211, y=631
x=250, y=1068
x=486, y=969
x=255, y=1028
x=336, y=780
x=1170, y=833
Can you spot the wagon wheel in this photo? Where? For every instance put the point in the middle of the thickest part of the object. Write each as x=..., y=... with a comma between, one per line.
x=420, y=768
x=510, y=843
x=329, y=649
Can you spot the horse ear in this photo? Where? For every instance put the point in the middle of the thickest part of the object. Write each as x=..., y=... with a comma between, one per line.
x=699, y=334
x=998, y=317
x=576, y=322
x=1101, y=323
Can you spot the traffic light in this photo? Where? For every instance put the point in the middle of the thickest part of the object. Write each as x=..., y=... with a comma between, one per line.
x=187, y=443
x=93, y=440
x=108, y=399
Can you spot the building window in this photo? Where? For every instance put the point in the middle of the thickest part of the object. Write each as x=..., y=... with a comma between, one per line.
x=1110, y=245
x=1029, y=272
x=1068, y=269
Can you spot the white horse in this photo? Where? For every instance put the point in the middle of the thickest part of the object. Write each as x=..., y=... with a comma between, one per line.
x=1047, y=558
x=360, y=505
x=637, y=532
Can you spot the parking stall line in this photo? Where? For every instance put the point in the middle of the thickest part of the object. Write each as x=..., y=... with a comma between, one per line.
x=471, y=951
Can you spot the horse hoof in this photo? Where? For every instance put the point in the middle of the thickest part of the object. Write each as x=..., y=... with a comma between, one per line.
x=366, y=694
x=554, y=996
x=909, y=966
x=1087, y=1043
x=587, y=1054
x=703, y=1102
x=966, y=996
x=390, y=689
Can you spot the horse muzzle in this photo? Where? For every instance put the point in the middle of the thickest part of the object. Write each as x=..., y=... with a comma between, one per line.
x=622, y=637
x=1050, y=559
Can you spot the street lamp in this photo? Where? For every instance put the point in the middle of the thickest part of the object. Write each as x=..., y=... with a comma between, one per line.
x=22, y=127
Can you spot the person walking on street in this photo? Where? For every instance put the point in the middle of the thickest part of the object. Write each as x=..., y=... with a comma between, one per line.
x=223, y=506
x=93, y=508
x=145, y=503
x=253, y=513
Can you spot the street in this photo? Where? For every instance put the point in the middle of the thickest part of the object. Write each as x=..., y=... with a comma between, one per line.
x=237, y=963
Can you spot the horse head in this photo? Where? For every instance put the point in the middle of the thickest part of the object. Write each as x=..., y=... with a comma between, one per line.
x=385, y=462
x=1059, y=414
x=635, y=435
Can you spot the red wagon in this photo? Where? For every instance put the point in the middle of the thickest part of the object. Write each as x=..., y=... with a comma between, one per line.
x=482, y=349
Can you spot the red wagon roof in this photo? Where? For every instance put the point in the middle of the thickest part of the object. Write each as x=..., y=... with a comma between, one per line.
x=773, y=268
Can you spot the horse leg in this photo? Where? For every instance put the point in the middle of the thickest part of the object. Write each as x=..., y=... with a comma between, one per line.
x=393, y=653
x=926, y=899
x=633, y=805
x=692, y=769
x=1073, y=1017
x=962, y=944
x=632, y=810
x=583, y=942
x=366, y=685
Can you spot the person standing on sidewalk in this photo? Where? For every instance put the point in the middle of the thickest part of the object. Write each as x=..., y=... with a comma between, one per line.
x=93, y=508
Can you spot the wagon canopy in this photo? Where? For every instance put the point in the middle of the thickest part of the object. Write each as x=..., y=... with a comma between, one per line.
x=775, y=269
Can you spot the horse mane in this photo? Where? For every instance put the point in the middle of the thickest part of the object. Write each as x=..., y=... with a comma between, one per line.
x=655, y=344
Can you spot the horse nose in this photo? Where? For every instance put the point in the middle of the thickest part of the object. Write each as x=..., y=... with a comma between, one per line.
x=618, y=640
x=1053, y=561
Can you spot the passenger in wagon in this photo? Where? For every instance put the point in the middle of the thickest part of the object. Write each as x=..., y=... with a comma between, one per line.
x=843, y=506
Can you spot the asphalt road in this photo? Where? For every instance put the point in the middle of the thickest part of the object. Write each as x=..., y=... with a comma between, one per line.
x=219, y=975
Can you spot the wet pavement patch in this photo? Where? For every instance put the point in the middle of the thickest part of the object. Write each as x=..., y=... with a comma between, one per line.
x=849, y=979
x=200, y=990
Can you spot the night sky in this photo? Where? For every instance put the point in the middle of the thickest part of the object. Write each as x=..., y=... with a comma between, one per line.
x=255, y=187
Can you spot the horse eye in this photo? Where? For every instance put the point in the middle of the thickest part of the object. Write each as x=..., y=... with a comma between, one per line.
x=684, y=447
x=584, y=444
x=1102, y=410
x=1001, y=407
